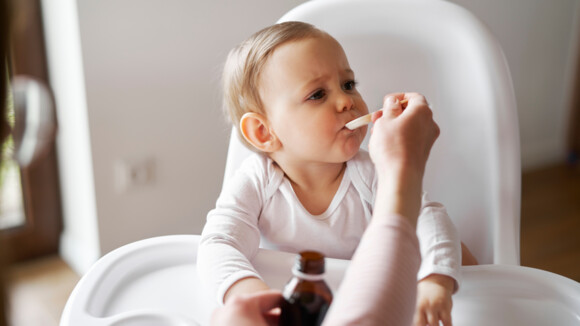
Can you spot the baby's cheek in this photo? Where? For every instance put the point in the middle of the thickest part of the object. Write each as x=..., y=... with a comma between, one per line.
x=353, y=143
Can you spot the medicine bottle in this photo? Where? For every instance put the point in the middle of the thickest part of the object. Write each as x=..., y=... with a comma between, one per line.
x=307, y=296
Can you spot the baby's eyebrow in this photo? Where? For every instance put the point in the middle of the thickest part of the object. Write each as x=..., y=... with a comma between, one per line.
x=308, y=86
x=317, y=79
x=349, y=71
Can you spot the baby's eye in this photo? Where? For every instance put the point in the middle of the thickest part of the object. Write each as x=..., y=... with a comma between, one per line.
x=349, y=85
x=317, y=95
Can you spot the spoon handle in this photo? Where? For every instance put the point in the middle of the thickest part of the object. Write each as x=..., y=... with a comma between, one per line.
x=365, y=119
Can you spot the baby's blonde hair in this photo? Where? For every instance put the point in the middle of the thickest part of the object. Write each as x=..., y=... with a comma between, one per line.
x=244, y=64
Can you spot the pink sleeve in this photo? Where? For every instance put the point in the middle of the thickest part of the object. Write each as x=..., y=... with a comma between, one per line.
x=380, y=286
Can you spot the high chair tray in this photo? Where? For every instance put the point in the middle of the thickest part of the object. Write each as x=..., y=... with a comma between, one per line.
x=154, y=282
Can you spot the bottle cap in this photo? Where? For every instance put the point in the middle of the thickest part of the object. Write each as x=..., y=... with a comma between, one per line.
x=309, y=262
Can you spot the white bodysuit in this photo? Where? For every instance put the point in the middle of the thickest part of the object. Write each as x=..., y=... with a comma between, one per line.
x=258, y=208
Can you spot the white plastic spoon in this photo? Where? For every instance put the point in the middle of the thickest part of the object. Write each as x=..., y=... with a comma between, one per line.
x=365, y=119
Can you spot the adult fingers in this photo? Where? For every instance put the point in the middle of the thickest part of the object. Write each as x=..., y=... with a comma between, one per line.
x=376, y=115
x=392, y=107
x=416, y=98
x=419, y=109
x=398, y=96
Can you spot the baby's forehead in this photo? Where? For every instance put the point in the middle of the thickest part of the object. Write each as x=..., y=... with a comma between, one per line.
x=321, y=37
x=321, y=43
x=304, y=60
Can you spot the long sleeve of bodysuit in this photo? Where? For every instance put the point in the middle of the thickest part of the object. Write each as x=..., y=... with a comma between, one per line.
x=231, y=236
x=439, y=242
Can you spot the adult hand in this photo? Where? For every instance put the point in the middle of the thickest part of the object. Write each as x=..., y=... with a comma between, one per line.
x=403, y=136
x=256, y=309
x=399, y=147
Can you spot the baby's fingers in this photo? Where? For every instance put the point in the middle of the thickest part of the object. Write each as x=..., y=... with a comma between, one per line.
x=419, y=319
x=445, y=317
x=433, y=318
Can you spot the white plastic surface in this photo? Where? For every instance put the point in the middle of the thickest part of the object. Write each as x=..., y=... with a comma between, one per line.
x=442, y=51
x=507, y=295
x=154, y=282
x=430, y=46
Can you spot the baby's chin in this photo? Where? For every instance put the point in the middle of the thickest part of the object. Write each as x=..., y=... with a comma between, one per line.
x=352, y=146
x=350, y=142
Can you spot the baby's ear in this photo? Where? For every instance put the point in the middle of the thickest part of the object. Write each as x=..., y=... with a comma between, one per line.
x=256, y=130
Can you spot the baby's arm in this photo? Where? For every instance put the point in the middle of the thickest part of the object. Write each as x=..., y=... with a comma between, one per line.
x=223, y=262
x=434, y=301
x=440, y=270
x=231, y=237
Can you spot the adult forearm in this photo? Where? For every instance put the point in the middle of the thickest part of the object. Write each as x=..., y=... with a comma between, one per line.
x=399, y=192
x=379, y=287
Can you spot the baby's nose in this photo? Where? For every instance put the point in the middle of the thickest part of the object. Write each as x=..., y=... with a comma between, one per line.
x=346, y=103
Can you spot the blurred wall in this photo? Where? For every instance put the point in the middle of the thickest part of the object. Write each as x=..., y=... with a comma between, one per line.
x=540, y=40
x=142, y=141
x=137, y=86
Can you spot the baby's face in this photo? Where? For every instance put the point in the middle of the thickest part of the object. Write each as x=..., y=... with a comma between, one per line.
x=309, y=93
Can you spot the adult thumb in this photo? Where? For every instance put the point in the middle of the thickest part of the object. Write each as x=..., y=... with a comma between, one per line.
x=392, y=107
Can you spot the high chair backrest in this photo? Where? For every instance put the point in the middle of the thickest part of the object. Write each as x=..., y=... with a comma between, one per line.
x=441, y=50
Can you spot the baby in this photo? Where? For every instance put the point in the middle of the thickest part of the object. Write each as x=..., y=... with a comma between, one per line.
x=289, y=91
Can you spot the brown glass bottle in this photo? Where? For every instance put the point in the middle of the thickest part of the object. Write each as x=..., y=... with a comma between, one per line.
x=307, y=296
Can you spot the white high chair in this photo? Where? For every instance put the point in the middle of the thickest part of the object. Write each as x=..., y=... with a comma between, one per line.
x=429, y=46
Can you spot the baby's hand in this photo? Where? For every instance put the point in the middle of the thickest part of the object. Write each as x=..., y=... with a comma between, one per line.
x=434, y=301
